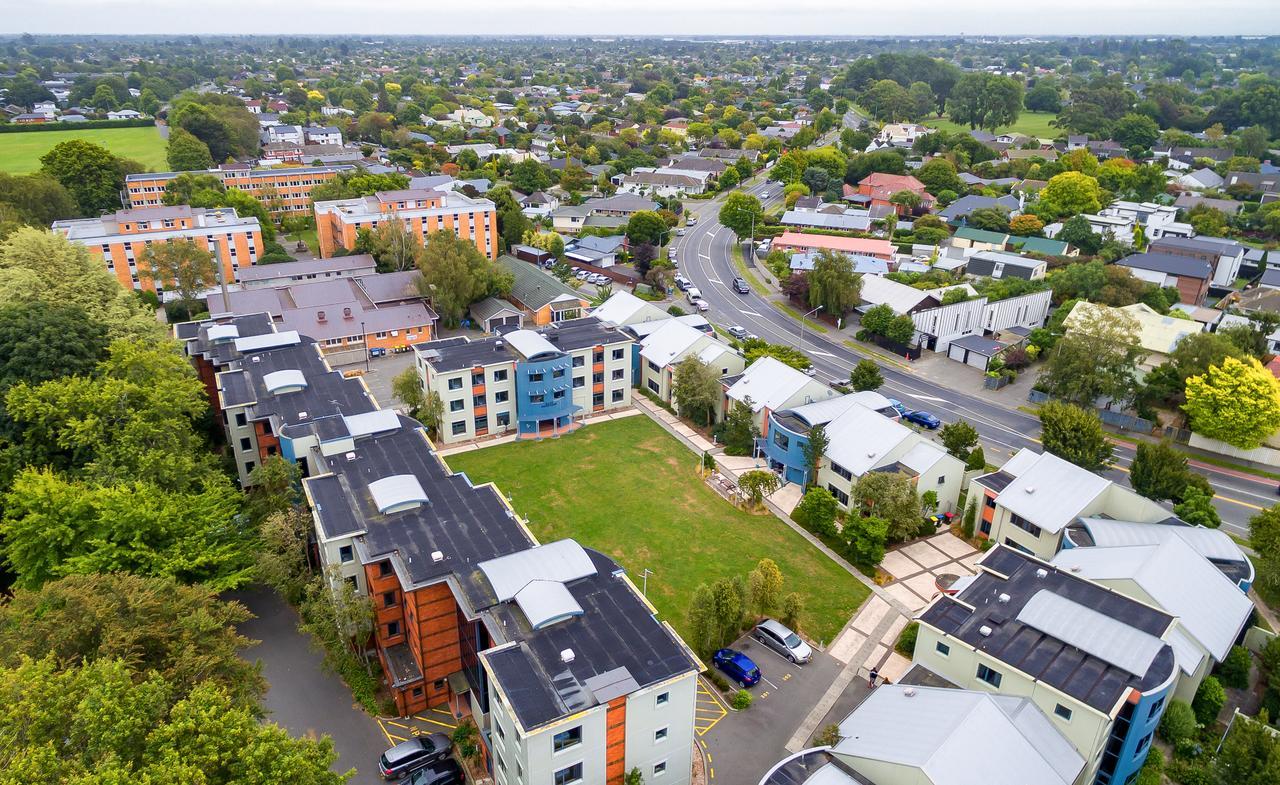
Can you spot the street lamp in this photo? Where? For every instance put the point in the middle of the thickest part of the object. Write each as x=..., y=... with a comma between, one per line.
x=645, y=577
x=801, y=330
x=364, y=341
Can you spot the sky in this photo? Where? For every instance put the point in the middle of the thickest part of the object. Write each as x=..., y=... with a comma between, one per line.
x=652, y=17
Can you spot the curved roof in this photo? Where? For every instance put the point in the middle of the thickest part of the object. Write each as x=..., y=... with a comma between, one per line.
x=545, y=602
x=529, y=343
x=282, y=381
x=397, y=492
x=562, y=561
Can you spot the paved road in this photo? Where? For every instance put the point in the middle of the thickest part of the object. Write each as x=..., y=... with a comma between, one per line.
x=705, y=259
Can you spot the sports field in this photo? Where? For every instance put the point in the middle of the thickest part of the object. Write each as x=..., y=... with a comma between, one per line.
x=1030, y=123
x=20, y=153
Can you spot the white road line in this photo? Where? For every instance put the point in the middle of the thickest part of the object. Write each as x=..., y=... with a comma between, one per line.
x=744, y=310
x=927, y=397
x=821, y=354
x=704, y=256
x=766, y=681
x=715, y=280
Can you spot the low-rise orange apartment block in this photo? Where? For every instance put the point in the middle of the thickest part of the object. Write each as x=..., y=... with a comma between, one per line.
x=120, y=238
x=283, y=190
x=339, y=222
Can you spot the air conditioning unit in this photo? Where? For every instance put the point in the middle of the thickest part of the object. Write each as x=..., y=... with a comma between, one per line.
x=984, y=631
x=566, y=656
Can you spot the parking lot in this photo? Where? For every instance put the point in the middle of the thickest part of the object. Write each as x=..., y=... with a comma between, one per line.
x=742, y=745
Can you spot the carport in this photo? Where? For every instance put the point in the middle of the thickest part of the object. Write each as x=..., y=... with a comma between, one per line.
x=975, y=350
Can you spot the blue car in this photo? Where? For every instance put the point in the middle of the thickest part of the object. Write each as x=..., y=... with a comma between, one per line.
x=923, y=418
x=737, y=666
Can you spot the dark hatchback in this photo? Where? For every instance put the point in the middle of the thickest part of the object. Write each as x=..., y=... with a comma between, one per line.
x=737, y=666
x=409, y=756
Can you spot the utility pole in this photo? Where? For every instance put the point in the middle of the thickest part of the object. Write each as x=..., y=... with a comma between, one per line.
x=801, y=328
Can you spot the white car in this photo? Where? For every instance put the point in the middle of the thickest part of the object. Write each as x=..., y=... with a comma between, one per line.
x=764, y=195
x=701, y=305
x=581, y=275
x=810, y=371
x=680, y=232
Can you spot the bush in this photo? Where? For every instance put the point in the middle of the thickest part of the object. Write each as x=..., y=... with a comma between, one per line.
x=1234, y=670
x=721, y=682
x=970, y=516
x=1209, y=700
x=675, y=310
x=827, y=737
x=906, y=645
x=464, y=738
x=792, y=609
x=1190, y=773
x=1178, y=723
x=741, y=700
x=1153, y=769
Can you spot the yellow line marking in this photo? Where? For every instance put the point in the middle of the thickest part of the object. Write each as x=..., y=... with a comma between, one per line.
x=786, y=676
x=708, y=757
x=400, y=725
x=433, y=722
x=703, y=743
x=712, y=773
x=382, y=726
x=1220, y=498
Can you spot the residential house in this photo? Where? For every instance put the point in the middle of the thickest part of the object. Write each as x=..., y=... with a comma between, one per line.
x=338, y=222
x=1157, y=335
x=799, y=241
x=285, y=273
x=1156, y=220
x=544, y=297
x=526, y=382
x=1019, y=154
x=663, y=183
x=1213, y=545
x=1185, y=158
x=880, y=188
x=494, y=314
x=1265, y=184
x=902, y=135
x=770, y=385
x=1187, y=201
x=284, y=134
x=323, y=134
x=121, y=238
x=1041, y=245
x=672, y=343
x=124, y=114
x=472, y=117
x=846, y=220
x=624, y=308
x=996, y=264
x=622, y=205
x=1101, y=666
x=595, y=250
x=1189, y=275
x=979, y=239
x=862, y=265
x=1203, y=179
x=570, y=218
x=958, y=211
x=1224, y=256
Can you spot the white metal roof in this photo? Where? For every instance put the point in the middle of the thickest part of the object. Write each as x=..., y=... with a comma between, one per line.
x=1020, y=461
x=1209, y=543
x=254, y=343
x=1186, y=652
x=713, y=351
x=1051, y=492
x=561, y=561
x=1090, y=631
x=1179, y=580
x=397, y=492
x=860, y=439
x=771, y=383
x=545, y=602
x=823, y=412
x=529, y=343
x=950, y=736
x=277, y=381
x=922, y=457
x=669, y=342
x=376, y=421
x=877, y=290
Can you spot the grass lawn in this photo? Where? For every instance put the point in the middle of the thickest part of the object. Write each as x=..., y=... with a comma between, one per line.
x=628, y=489
x=1030, y=123
x=307, y=236
x=20, y=153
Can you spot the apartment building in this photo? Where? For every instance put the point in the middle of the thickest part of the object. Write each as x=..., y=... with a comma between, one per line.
x=769, y=385
x=1222, y=255
x=285, y=273
x=119, y=239
x=1030, y=501
x=283, y=191
x=346, y=316
x=526, y=382
x=1101, y=666
x=672, y=343
x=422, y=212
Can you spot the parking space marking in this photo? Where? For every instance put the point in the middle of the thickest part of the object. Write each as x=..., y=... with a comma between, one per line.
x=786, y=676
x=392, y=739
x=421, y=718
x=708, y=710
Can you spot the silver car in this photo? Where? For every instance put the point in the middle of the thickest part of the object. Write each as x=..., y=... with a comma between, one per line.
x=781, y=639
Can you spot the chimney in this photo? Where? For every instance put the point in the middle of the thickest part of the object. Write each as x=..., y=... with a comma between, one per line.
x=320, y=317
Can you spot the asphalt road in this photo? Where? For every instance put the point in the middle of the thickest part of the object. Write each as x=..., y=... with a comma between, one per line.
x=705, y=258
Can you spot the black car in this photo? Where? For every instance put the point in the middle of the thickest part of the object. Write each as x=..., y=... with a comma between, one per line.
x=409, y=756
x=740, y=286
x=444, y=772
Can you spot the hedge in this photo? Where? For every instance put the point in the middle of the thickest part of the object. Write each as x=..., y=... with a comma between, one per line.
x=16, y=128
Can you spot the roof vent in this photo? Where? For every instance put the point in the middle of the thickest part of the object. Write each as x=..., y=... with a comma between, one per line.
x=351, y=456
x=346, y=313
x=871, y=453
x=320, y=317
x=1042, y=573
x=1004, y=598
x=1075, y=568
x=497, y=346
x=1030, y=489
x=437, y=556
x=909, y=692
x=566, y=655
x=255, y=359
x=984, y=631
x=303, y=415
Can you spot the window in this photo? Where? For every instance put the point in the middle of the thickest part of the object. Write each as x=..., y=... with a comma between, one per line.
x=1142, y=745
x=942, y=480
x=597, y=378
x=597, y=399
x=477, y=400
x=482, y=423
x=653, y=366
x=942, y=648
x=240, y=420
x=579, y=361
x=417, y=692
x=781, y=440
x=456, y=406
x=663, y=699
x=477, y=379
x=991, y=502
x=536, y=377
x=558, y=373
x=1155, y=708
x=617, y=396
x=597, y=357
x=558, y=395
x=579, y=381
x=1024, y=524
x=459, y=427
x=566, y=739
x=840, y=470
x=388, y=599
x=1062, y=711
x=619, y=373
x=503, y=419
x=384, y=569
x=393, y=628
x=501, y=396
x=659, y=768
x=249, y=466
x=455, y=383
x=500, y=375
x=345, y=554
x=660, y=735
x=498, y=727
x=654, y=386
x=245, y=444
x=989, y=676
x=840, y=495
x=618, y=354
x=569, y=775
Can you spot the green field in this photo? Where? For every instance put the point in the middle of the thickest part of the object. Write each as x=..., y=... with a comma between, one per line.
x=628, y=489
x=20, y=153
x=1030, y=123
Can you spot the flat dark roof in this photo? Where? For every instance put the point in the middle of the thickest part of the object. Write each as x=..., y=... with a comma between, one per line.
x=456, y=354
x=1086, y=677
x=327, y=391
x=1168, y=263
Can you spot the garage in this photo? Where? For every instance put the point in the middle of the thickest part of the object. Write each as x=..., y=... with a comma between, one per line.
x=494, y=314
x=975, y=350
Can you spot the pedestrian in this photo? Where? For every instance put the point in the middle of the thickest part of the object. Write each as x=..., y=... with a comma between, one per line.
x=871, y=681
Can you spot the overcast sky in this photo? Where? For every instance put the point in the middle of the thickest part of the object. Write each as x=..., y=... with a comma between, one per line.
x=652, y=17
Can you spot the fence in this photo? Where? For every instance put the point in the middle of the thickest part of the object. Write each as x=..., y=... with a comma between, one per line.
x=1125, y=422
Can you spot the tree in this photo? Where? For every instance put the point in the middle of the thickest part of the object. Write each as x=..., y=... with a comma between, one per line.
x=1209, y=700
x=977, y=460
x=792, y=609
x=740, y=431
x=1044, y=97
x=1075, y=434
x=646, y=227
x=244, y=203
x=187, y=153
x=866, y=376
x=121, y=727
x=982, y=100
x=755, y=348
x=1196, y=353
x=1077, y=232
x=1253, y=141
x=38, y=198
x=280, y=559
x=406, y=387
x=335, y=614
x=1096, y=359
x=1135, y=131
x=1250, y=754
x=696, y=390
x=530, y=175
x=395, y=248
x=1159, y=471
x=186, y=634
x=1234, y=671
x=1237, y=402
x=991, y=219
x=817, y=511
x=41, y=341
x=959, y=438
x=90, y=173
x=455, y=274
x=1178, y=722
x=1264, y=539
x=184, y=188
x=703, y=627
x=274, y=487
x=757, y=484
x=833, y=285
x=764, y=587
x=891, y=496
x=1070, y=193
x=1196, y=508
x=815, y=449
x=739, y=211
x=181, y=265
x=866, y=535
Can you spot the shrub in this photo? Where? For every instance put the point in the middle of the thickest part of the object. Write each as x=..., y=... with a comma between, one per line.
x=977, y=460
x=675, y=310
x=721, y=682
x=1234, y=671
x=1209, y=700
x=792, y=609
x=1178, y=723
x=464, y=738
x=906, y=645
x=1152, y=772
x=827, y=737
x=970, y=515
x=1190, y=773
x=741, y=700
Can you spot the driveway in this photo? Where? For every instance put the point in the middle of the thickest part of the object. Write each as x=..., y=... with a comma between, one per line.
x=742, y=745
x=303, y=697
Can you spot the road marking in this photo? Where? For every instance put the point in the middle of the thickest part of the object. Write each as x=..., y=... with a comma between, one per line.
x=435, y=722
x=927, y=398
x=786, y=677
x=763, y=695
x=708, y=757
x=715, y=280
x=766, y=681
x=704, y=256
x=821, y=354
x=748, y=313
x=1219, y=498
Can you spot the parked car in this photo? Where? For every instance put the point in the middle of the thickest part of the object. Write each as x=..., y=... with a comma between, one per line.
x=444, y=772
x=783, y=640
x=764, y=195
x=740, y=286
x=600, y=279
x=581, y=275
x=922, y=418
x=693, y=293
x=739, y=332
x=810, y=371
x=682, y=283
x=409, y=756
x=680, y=232
x=701, y=304
x=691, y=220
x=898, y=407
x=737, y=666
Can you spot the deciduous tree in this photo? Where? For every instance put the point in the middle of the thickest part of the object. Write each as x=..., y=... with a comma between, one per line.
x=186, y=153
x=1159, y=471
x=757, y=484
x=887, y=495
x=180, y=265
x=959, y=438
x=1097, y=358
x=815, y=450
x=817, y=511
x=455, y=274
x=1071, y=193
x=738, y=212
x=764, y=587
x=89, y=172
x=833, y=284
x=696, y=389
x=866, y=376
x=1075, y=434
x=1237, y=402
x=866, y=536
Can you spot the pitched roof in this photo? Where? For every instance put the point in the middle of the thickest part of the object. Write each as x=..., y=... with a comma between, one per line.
x=533, y=288
x=860, y=438
x=855, y=245
x=1156, y=333
x=1169, y=264
x=623, y=308
x=878, y=290
x=1051, y=492
x=670, y=342
x=770, y=383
